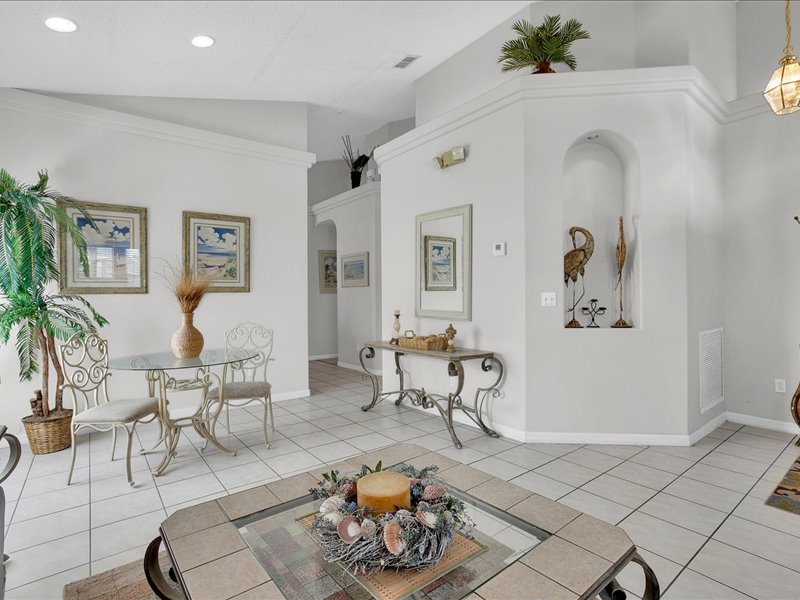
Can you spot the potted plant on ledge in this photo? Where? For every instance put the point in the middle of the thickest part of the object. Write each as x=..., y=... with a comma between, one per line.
x=29, y=218
x=541, y=46
x=355, y=162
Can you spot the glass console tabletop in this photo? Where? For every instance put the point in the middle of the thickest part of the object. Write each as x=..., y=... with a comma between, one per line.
x=295, y=562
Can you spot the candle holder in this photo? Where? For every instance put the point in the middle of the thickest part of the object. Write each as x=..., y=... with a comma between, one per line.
x=593, y=311
x=396, y=327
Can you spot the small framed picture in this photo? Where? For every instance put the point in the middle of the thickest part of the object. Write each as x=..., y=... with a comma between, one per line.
x=218, y=246
x=355, y=270
x=440, y=264
x=116, y=247
x=327, y=271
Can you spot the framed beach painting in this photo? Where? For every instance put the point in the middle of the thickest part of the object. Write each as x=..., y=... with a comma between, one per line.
x=327, y=271
x=440, y=263
x=116, y=247
x=355, y=270
x=218, y=247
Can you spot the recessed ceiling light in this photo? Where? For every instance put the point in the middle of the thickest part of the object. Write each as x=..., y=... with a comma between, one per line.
x=60, y=24
x=202, y=41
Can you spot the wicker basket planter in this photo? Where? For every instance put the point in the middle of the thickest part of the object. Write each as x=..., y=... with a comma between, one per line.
x=51, y=434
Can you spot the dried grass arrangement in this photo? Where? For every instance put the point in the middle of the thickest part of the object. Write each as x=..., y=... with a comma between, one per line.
x=412, y=539
x=188, y=287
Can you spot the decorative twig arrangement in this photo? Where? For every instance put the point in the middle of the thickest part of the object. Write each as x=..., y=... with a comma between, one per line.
x=355, y=162
x=362, y=541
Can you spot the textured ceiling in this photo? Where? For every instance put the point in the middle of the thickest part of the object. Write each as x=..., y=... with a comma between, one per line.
x=337, y=56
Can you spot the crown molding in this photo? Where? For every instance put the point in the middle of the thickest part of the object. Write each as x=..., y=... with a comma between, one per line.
x=64, y=110
x=625, y=82
x=748, y=107
x=372, y=189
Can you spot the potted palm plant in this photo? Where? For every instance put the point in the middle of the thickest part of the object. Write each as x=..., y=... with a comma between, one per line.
x=539, y=47
x=29, y=218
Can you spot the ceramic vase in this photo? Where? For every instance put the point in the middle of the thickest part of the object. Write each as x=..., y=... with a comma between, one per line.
x=187, y=342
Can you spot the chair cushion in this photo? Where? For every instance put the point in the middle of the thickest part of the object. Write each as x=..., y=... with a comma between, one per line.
x=118, y=411
x=242, y=389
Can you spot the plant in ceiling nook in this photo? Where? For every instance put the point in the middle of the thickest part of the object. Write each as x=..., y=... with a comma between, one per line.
x=356, y=162
x=541, y=46
x=29, y=217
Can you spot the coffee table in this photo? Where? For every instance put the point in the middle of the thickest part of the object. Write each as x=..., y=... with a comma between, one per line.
x=250, y=545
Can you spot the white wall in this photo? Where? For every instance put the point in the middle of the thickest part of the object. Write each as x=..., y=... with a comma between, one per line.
x=624, y=35
x=604, y=385
x=103, y=156
x=323, y=336
x=326, y=179
x=279, y=123
x=760, y=39
x=356, y=215
x=762, y=243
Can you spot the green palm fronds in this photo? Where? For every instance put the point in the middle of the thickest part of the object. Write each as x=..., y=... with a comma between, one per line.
x=30, y=216
x=540, y=46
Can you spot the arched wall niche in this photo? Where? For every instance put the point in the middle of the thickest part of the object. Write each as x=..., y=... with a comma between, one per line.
x=601, y=184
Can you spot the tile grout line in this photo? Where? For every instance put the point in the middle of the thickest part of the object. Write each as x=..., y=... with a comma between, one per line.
x=713, y=533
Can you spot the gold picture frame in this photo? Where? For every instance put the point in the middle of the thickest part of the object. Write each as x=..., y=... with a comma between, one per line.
x=327, y=272
x=116, y=247
x=218, y=246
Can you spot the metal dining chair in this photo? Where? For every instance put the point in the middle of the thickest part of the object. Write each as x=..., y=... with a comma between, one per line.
x=14, y=453
x=84, y=359
x=248, y=379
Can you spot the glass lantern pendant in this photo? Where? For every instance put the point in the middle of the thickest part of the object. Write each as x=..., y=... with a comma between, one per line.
x=783, y=90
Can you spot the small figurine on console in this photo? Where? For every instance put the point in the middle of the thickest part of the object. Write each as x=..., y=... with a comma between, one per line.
x=396, y=326
x=450, y=332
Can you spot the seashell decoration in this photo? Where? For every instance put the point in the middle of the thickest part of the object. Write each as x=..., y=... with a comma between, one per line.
x=392, y=538
x=402, y=513
x=349, y=529
x=429, y=519
x=347, y=490
x=433, y=492
x=331, y=504
x=448, y=517
x=368, y=529
x=333, y=517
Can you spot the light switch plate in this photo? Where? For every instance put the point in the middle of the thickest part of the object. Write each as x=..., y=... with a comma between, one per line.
x=499, y=249
x=549, y=299
x=780, y=386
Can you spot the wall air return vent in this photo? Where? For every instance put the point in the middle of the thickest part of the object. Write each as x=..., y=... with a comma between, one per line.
x=712, y=371
x=406, y=61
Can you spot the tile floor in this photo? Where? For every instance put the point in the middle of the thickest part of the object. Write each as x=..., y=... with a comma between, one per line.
x=697, y=513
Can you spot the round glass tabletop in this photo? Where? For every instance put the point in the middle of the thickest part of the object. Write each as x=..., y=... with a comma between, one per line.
x=166, y=361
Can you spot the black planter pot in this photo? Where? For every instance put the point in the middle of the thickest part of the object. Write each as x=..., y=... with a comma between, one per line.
x=355, y=179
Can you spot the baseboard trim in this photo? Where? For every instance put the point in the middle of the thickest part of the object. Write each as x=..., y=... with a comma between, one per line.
x=773, y=424
x=293, y=395
x=699, y=434
x=323, y=356
x=353, y=367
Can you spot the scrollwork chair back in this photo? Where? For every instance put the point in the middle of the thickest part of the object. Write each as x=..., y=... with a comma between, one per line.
x=250, y=337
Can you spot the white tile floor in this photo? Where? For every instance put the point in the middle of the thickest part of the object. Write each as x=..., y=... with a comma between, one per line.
x=697, y=514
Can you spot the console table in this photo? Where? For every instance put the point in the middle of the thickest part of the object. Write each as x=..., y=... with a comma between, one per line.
x=444, y=404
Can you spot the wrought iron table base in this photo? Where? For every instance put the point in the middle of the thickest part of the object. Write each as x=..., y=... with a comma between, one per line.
x=446, y=405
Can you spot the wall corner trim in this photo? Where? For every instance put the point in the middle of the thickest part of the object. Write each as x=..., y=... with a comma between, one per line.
x=686, y=79
x=55, y=108
x=319, y=209
x=773, y=424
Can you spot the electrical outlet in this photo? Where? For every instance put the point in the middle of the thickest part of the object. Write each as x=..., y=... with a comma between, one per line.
x=780, y=386
x=549, y=299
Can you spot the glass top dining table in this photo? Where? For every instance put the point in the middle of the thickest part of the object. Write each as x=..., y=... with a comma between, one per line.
x=156, y=367
x=167, y=361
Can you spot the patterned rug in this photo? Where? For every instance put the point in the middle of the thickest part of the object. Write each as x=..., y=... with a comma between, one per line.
x=787, y=495
x=123, y=583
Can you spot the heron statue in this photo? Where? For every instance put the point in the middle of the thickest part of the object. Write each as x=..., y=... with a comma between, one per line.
x=622, y=253
x=574, y=265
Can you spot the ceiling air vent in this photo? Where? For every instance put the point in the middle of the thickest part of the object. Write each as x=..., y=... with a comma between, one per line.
x=406, y=61
x=712, y=389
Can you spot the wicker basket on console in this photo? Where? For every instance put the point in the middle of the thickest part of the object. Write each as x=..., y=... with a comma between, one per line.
x=422, y=342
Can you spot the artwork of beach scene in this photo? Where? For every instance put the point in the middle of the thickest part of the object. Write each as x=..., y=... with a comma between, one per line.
x=217, y=252
x=355, y=270
x=440, y=257
x=109, y=248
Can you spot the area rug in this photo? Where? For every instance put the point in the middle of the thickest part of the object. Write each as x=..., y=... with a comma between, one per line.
x=122, y=583
x=787, y=495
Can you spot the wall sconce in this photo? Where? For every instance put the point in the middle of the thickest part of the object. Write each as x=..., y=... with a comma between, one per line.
x=455, y=155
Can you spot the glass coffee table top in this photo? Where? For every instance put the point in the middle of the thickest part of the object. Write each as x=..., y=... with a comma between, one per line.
x=295, y=562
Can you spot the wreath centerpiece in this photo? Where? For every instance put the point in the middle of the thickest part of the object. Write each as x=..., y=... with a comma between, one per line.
x=414, y=535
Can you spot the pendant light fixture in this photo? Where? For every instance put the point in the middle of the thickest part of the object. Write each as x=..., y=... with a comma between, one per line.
x=783, y=90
